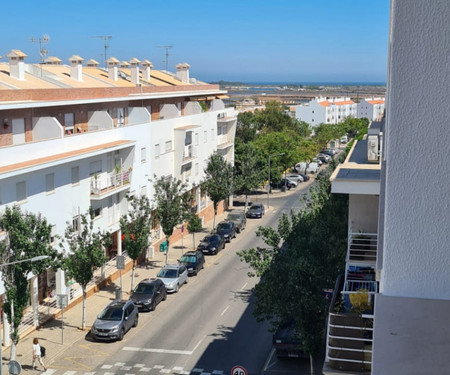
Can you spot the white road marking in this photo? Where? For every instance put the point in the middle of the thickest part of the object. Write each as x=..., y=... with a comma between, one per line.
x=177, y=368
x=125, y=368
x=166, y=370
x=109, y=373
x=244, y=286
x=158, y=366
x=224, y=311
x=50, y=371
x=217, y=372
x=106, y=367
x=120, y=364
x=139, y=365
x=268, y=360
x=70, y=373
x=197, y=370
x=145, y=369
x=89, y=373
x=155, y=350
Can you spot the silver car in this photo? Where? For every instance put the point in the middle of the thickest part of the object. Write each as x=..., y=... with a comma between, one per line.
x=115, y=320
x=173, y=276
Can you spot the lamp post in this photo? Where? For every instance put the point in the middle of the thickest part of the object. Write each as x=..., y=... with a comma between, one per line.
x=268, y=187
x=34, y=259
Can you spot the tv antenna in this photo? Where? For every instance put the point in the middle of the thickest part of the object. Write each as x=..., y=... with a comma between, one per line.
x=106, y=39
x=166, y=61
x=45, y=39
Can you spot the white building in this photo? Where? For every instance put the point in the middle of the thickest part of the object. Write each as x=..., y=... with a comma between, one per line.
x=410, y=310
x=75, y=136
x=326, y=111
x=372, y=108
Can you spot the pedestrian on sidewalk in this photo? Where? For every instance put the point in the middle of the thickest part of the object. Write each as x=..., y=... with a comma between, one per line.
x=37, y=354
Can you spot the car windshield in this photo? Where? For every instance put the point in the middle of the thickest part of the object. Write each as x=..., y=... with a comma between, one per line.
x=188, y=259
x=233, y=217
x=223, y=226
x=254, y=208
x=168, y=273
x=144, y=289
x=111, y=313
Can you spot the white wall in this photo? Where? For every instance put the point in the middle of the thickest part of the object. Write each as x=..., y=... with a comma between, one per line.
x=46, y=127
x=363, y=213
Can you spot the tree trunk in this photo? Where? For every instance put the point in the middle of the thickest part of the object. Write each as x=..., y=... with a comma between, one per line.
x=167, y=250
x=132, y=276
x=193, y=241
x=83, y=314
x=246, y=200
x=14, y=336
x=214, y=220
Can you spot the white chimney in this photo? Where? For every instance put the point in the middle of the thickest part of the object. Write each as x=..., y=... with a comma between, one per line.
x=91, y=63
x=16, y=64
x=124, y=64
x=76, y=70
x=52, y=60
x=146, y=68
x=183, y=72
x=112, y=68
x=135, y=71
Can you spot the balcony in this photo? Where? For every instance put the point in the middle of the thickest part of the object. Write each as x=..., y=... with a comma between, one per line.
x=225, y=119
x=362, y=248
x=189, y=153
x=107, y=184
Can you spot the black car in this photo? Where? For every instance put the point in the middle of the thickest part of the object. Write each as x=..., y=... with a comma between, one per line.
x=305, y=177
x=256, y=210
x=328, y=152
x=148, y=293
x=281, y=184
x=227, y=230
x=288, y=343
x=211, y=244
x=194, y=261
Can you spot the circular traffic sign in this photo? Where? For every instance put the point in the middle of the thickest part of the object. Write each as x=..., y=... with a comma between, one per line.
x=14, y=368
x=238, y=370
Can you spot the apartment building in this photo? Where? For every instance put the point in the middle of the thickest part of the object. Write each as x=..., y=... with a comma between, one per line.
x=74, y=137
x=325, y=110
x=405, y=329
x=371, y=108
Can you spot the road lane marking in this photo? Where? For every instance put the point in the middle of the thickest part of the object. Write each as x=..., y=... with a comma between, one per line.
x=224, y=311
x=198, y=344
x=244, y=286
x=268, y=360
x=163, y=351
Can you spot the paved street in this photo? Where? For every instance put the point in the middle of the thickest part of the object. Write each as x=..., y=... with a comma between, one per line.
x=205, y=328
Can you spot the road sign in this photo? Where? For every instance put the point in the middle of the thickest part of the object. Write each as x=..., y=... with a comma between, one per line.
x=62, y=300
x=120, y=259
x=238, y=370
x=14, y=368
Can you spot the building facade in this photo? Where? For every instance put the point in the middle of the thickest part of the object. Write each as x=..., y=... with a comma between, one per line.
x=74, y=137
x=326, y=111
x=372, y=109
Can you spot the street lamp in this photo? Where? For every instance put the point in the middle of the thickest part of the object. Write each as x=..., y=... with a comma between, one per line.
x=34, y=259
x=268, y=187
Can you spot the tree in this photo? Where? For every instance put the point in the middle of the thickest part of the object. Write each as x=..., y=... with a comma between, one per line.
x=27, y=236
x=218, y=181
x=246, y=130
x=172, y=205
x=136, y=226
x=249, y=169
x=85, y=253
x=308, y=249
x=194, y=226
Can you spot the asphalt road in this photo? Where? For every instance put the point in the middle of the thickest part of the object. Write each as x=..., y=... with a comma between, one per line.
x=205, y=328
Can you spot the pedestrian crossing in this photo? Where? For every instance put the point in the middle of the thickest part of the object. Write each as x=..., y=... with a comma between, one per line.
x=123, y=368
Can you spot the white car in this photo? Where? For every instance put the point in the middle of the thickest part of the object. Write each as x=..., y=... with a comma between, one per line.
x=173, y=276
x=295, y=177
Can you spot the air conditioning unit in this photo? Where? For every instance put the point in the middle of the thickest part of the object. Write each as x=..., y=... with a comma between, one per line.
x=372, y=148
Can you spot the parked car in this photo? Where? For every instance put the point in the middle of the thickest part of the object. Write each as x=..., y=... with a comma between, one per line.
x=149, y=293
x=115, y=320
x=238, y=218
x=324, y=157
x=256, y=210
x=316, y=160
x=305, y=177
x=296, y=177
x=227, y=229
x=194, y=261
x=344, y=139
x=173, y=276
x=294, y=181
x=329, y=152
x=281, y=184
x=211, y=244
x=288, y=343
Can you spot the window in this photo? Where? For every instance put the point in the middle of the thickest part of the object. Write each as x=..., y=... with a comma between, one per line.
x=76, y=223
x=156, y=151
x=95, y=167
x=205, y=136
x=75, y=175
x=188, y=139
x=143, y=155
x=21, y=191
x=52, y=234
x=168, y=146
x=68, y=123
x=97, y=211
x=50, y=182
x=120, y=116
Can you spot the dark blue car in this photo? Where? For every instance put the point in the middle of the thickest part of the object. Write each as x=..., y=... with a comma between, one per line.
x=211, y=244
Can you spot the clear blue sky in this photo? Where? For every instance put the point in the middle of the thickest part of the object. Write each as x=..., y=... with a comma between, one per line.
x=239, y=40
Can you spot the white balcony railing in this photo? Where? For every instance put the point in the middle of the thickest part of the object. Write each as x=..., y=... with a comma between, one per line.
x=190, y=152
x=106, y=182
x=362, y=248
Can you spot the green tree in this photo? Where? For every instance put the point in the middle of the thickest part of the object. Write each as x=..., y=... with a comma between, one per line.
x=172, y=205
x=136, y=226
x=308, y=249
x=218, y=180
x=194, y=226
x=86, y=253
x=246, y=130
x=27, y=236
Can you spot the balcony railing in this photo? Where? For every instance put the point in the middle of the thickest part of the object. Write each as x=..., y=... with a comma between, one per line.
x=189, y=153
x=107, y=182
x=362, y=248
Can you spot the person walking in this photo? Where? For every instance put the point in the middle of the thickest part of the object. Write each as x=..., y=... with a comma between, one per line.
x=37, y=354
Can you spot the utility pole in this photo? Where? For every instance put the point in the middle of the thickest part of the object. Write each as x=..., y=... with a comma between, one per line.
x=42, y=52
x=106, y=39
x=166, y=61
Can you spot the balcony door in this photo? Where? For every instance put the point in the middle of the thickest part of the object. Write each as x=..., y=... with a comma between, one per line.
x=18, y=130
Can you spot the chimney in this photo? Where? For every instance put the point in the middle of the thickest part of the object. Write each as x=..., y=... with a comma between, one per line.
x=17, y=64
x=124, y=64
x=112, y=68
x=135, y=71
x=52, y=60
x=146, y=68
x=91, y=63
x=76, y=70
x=183, y=72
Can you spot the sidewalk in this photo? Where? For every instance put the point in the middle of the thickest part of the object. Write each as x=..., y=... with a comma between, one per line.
x=50, y=334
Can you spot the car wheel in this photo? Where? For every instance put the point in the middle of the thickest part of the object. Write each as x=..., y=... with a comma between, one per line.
x=196, y=272
x=176, y=288
x=187, y=280
x=153, y=307
x=165, y=296
x=121, y=334
x=136, y=321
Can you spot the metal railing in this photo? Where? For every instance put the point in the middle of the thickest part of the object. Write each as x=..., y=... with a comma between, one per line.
x=362, y=247
x=106, y=182
x=189, y=152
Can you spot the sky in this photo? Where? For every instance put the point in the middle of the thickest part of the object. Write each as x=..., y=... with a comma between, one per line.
x=234, y=40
